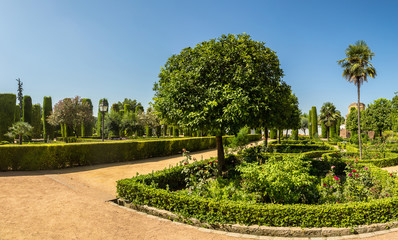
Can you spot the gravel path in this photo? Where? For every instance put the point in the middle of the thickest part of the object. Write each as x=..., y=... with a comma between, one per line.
x=72, y=204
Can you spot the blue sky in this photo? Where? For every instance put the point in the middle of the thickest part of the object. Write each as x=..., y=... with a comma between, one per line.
x=115, y=49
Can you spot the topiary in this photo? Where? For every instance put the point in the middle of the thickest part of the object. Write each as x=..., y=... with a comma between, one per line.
x=7, y=113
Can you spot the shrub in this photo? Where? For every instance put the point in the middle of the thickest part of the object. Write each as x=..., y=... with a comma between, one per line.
x=273, y=133
x=7, y=112
x=48, y=131
x=354, y=138
x=323, y=130
x=38, y=157
x=27, y=109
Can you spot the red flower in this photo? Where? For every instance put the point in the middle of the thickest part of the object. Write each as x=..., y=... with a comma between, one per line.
x=336, y=178
x=356, y=175
x=354, y=170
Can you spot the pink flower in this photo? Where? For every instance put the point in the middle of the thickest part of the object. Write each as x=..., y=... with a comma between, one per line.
x=336, y=178
x=216, y=161
x=390, y=174
x=337, y=201
x=332, y=167
x=356, y=175
x=366, y=168
x=350, y=174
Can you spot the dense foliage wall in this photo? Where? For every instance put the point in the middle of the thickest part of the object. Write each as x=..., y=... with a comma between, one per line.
x=36, y=121
x=48, y=130
x=314, y=119
x=27, y=109
x=7, y=113
x=36, y=157
x=87, y=128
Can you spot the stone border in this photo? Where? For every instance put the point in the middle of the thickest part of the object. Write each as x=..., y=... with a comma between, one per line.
x=261, y=230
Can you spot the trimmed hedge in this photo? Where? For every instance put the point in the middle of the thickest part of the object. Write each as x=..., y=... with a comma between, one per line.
x=7, y=113
x=390, y=160
x=48, y=131
x=27, y=109
x=141, y=190
x=47, y=156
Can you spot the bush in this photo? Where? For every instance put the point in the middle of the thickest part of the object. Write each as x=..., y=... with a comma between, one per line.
x=354, y=138
x=273, y=134
x=7, y=112
x=27, y=109
x=38, y=157
x=158, y=190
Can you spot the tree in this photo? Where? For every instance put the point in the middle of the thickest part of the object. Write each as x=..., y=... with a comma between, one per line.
x=99, y=118
x=378, y=115
x=48, y=131
x=27, y=109
x=221, y=85
x=20, y=96
x=304, y=122
x=356, y=69
x=329, y=116
x=36, y=121
x=87, y=127
x=314, y=122
x=20, y=129
x=394, y=112
x=352, y=120
x=72, y=112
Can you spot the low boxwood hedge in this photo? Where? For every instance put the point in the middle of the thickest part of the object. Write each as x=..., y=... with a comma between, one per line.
x=152, y=190
x=391, y=158
x=47, y=156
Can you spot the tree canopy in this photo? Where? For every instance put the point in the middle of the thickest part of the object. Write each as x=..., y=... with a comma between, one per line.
x=378, y=116
x=222, y=85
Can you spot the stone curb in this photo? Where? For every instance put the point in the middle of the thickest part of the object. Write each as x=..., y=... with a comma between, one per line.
x=262, y=230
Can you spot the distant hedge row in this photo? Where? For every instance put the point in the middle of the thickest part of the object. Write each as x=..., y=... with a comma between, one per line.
x=40, y=157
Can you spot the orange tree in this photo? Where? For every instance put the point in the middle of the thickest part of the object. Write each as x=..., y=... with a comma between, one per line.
x=220, y=85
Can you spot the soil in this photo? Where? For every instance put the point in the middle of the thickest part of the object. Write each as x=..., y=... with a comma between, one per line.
x=73, y=204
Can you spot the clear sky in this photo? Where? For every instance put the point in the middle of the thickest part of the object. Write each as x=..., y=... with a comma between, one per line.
x=115, y=49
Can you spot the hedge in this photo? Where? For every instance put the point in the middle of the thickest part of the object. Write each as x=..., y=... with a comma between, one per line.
x=54, y=156
x=141, y=190
x=27, y=109
x=87, y=127
x=48, y=131
x=7, y=113
x=390, y=160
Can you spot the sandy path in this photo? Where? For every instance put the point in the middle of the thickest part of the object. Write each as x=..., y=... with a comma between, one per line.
x=71, y=204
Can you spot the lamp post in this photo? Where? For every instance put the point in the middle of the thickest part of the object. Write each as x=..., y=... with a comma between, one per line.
x=103, y=108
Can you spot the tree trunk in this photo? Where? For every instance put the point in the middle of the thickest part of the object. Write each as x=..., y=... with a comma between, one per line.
x=20, y=139
x=359, y=122
x=327, y=133
x=266, y=136
x=220, y=155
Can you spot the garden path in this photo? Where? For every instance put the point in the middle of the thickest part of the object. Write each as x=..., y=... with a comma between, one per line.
x=72, y=204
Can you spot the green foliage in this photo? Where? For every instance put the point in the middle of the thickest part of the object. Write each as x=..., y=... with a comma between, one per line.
x=7, y=112
x=148, y=131
x=176, y=132
x=27, y=109
x=240, y=140
x=112, y=124
x=279, y=181
x=17, y=114
x=157, y=190
x=378, y=116
x=87, y=127
x=314, y=122
x=273, y=133
x=355, y=140
x=323, y=130
x=20, y=99
x=295, y=134
x=20, y=129
x=352, y=120
x=37, y=121
x=39, y=157
x=48, y=131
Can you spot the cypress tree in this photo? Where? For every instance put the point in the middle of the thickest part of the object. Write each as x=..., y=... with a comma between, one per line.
x=338, y=123
x=165, y=130
x=37, y=121
x=27, y=109
x=99, y=118
x=20, y=97
x=314, y=122
x=323, y=130
x=148, y=131
x=332, y=131
x=310, y=123
x=48, y=130
x=158, y=131
x=87, y=127
x=126, y=108
x=7, y=113
x=17, y=115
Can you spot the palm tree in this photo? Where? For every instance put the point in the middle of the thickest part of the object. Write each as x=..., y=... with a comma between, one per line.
x=19, y=129
x=328, y=116
x=356, y=69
